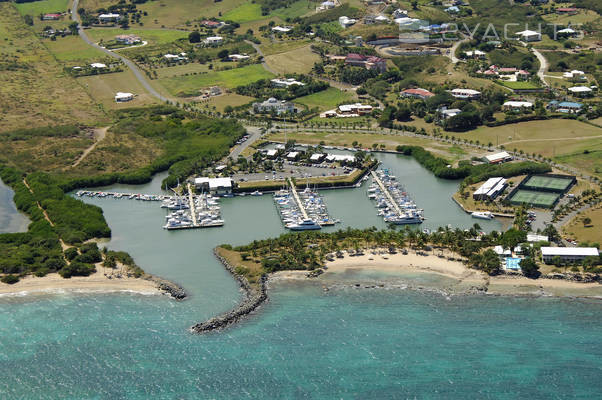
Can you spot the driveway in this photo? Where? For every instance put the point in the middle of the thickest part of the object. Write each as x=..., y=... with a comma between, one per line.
x=543, y=66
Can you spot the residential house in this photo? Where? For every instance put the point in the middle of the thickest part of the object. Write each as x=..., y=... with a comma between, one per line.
x=466, y=94
x=517, y=105
x=282, y=29
x=238, y=57
x=445, y=113
x=497, y=158
x=110, y=17
x=346, y=22
x=355, y=109
x=567, y=11
x=128, y=39
x=580, y=91
x=529, y=36
x=569, y=107
x=285, y=82
x=98, y=66
x=417, y=93
x=367, y=62
x=274, y=105
x=121, y=97
x=211, y=24
x=213, y=40
x=51, y=17
x=475, y=54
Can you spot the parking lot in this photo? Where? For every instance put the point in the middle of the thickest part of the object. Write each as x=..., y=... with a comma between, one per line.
x=296, y=170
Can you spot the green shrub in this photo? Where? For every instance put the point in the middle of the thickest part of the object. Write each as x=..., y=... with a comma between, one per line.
x=10, y=279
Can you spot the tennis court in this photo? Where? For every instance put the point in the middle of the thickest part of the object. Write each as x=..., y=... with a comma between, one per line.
x=548, y=182
x=538, y=199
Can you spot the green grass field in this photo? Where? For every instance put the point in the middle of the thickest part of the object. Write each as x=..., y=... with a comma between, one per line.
x=297, y=9
x=36, y=8
x=186, y=85
x=245, y=13
x=518, y=85
x=548, y=182
x=72, y=49
x=539, y=199
x=326, y=99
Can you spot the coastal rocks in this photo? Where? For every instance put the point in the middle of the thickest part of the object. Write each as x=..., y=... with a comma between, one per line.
x=315, y=273
x=253, y=299
x=583, y=278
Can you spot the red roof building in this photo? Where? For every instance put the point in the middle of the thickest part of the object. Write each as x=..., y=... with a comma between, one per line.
x=418, y=93
x=51, y=17
x=368, y=62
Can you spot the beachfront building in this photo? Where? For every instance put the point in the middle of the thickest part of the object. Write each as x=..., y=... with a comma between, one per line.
x=286, y=82
x=218, y=186
x=121, y=97
x=417, y=93
x=465, y=94
x=497, y=158
x=274, y=105
x=568, y=255
x=517, y=105
x=491, y=189
x=529, y=36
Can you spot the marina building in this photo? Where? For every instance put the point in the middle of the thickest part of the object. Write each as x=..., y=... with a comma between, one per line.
x=568, y=255
x=497, y=158
x=489, y=190
x=218, y=186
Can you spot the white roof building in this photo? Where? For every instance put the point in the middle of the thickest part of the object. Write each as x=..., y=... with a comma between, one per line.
x=282, y=29
x=537, y=238
x=568, y=254
x=573, y=73
x=529, y=36
x=214, y=185
x=465, y=93
x=271, y=153
x=109, y=17
x=317, y=157
x=98, y=65
x=346, y=21
x=475, y=53
x=517, y=104
x=122, y=97
x=340, y=158
x=214, y=39
x=567, y=30
x=490, y=189
x=580, y=89
x=286, y=82
x=498, y=157
x=238, y=57
x=292, y=155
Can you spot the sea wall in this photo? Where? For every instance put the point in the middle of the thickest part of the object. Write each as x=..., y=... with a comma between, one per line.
x=253, y=298
x=173, y=289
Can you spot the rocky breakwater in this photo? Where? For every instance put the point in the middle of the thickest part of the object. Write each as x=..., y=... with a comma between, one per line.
x=574, y=277
x=172, y=289
x=252, y=299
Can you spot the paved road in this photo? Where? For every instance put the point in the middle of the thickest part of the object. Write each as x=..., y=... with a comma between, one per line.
x=263, y=63
x=137, y=72
x=255, y=133
x=452, y=51
x=543, y=66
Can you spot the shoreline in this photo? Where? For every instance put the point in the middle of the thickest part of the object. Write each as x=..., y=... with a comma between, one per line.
x=97, y=282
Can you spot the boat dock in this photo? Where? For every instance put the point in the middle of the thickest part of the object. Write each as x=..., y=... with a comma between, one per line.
x=393, y=203
x=192, y=206
x=386, y=192
x=297, y=200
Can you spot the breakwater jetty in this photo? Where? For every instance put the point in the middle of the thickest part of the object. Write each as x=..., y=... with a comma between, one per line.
x=253, y=298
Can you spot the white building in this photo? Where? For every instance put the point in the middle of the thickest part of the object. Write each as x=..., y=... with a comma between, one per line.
x=517, y=105
x=238, y=57
x=580, y=90
x=214, y=40
x=110, y=17
x=217, y=186
x=498, y=158
x=282, y=29
x=399, y=13
x=357, y=108
x=346, y=22
x=448, y=112
x=271, y=154
x=292, y=156
x=537, y=238
x=489, y=190
x=475, y=54
x=317, y=157
x=175, y=57
x=568, y=255
x=121, y=97
x=342, y=158
x=285, y=82
x=529, y=36
x=98, y=65
x=274, y=105
x=468, y=94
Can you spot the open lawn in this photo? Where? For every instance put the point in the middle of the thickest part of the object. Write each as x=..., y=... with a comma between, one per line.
x=152, y=36
x=72, y=50
x=299, y=60
x=297, y=9
x=228, y=99
x=518, y=85
x=282, y=47
x=103, y=88
x=34, y=89
x=583, y=17
x=575, y=229
x=232, y=78
x=589, y=160
x=326, y=99
x=35, y=8
x=246, y=12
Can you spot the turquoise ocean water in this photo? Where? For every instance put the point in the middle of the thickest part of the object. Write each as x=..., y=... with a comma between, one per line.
x=305, y=342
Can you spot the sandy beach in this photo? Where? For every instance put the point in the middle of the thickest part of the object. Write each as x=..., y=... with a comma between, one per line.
x=466, y=278
x=96, y=282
